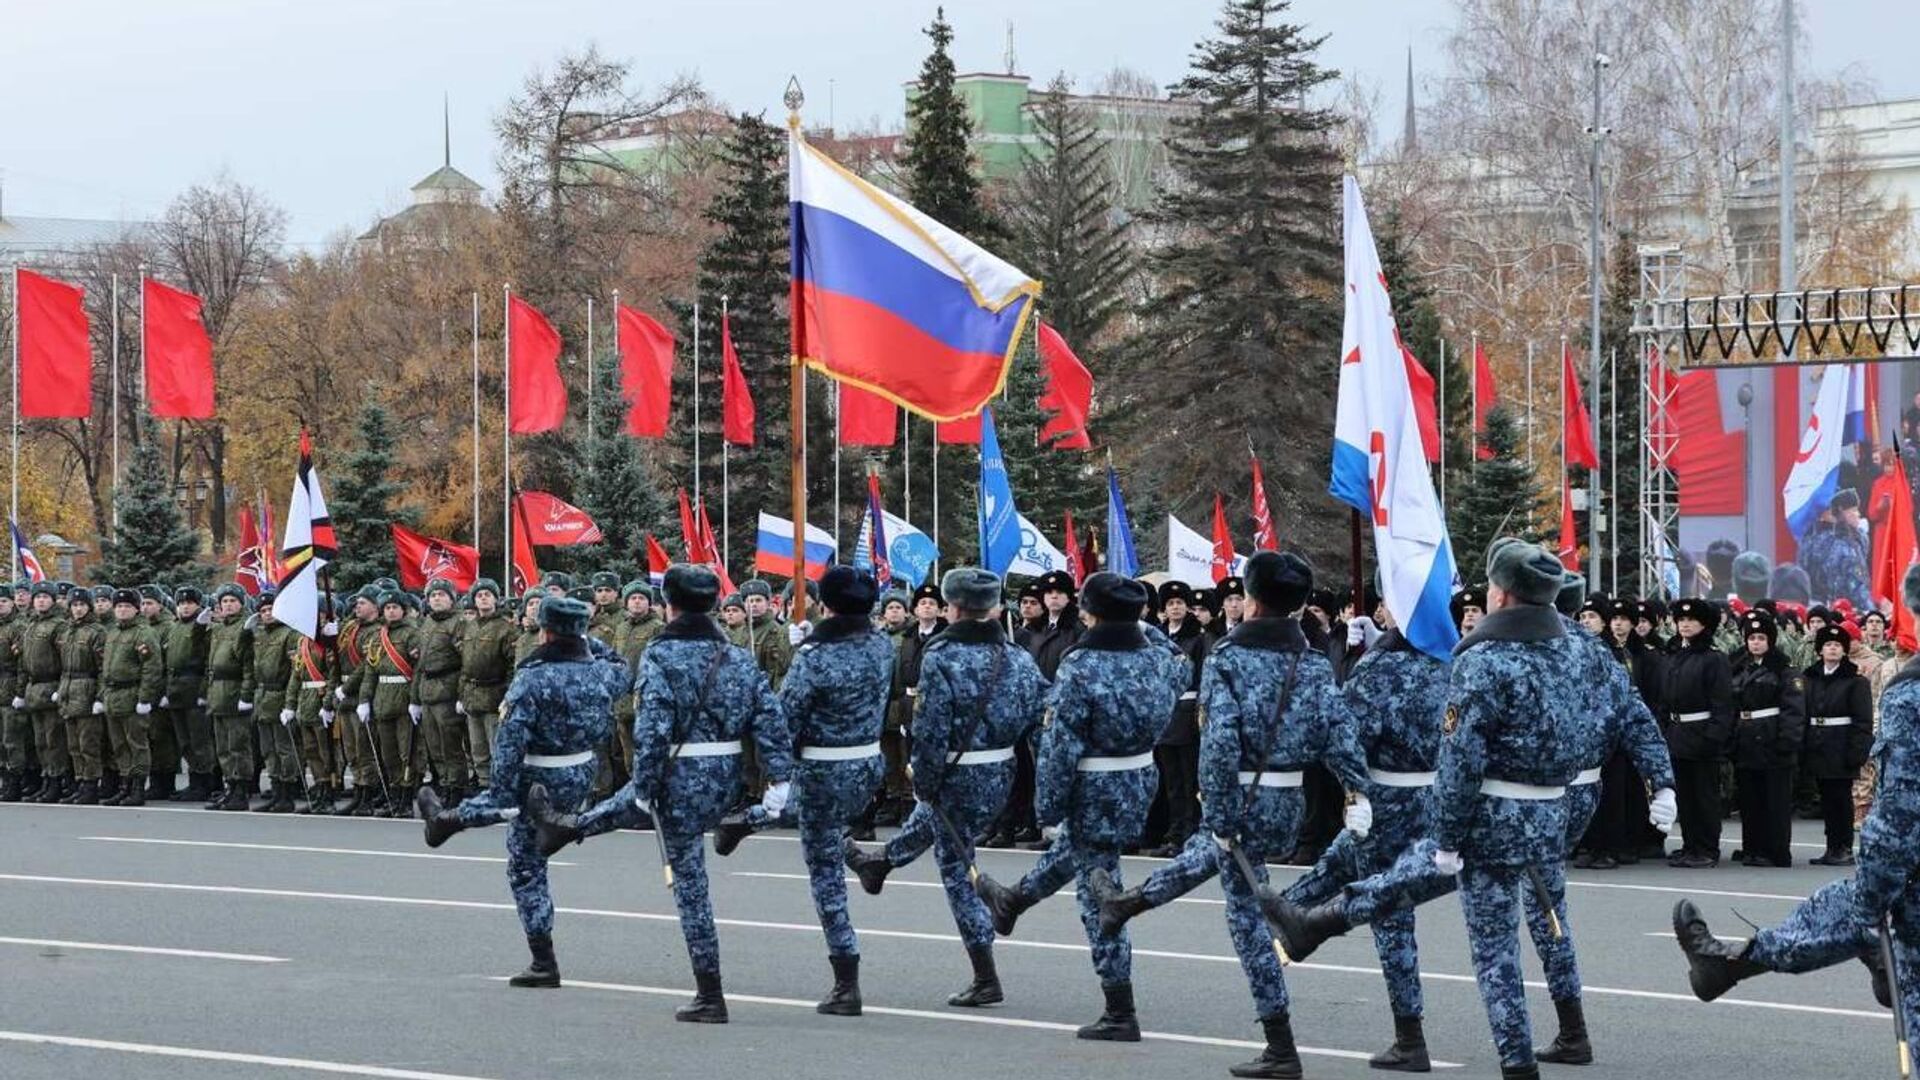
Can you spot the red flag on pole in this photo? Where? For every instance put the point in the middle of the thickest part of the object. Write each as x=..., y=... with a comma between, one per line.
x=962, y=432
x=1069, y=393
x=526, y=568
x=1569, y=535
x=553, y=522
x=533, y=359
x=866, y=418
x=1223, y=553
x=712, y=549
x=1075, y=565
x=1576, y=430
x=646, y=372
x=421, y=559
x=179, y=354
x=1420, y=382
x=1895, y=545
x=657, y=561
x=269, y=549
x=690, y=532
x=56, y=361
x=736, y=400
x=249, y=572
x=1264, y=537
x=1485, y=397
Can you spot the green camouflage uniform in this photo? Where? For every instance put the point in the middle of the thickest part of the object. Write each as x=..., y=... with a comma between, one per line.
x=388, y=689
x=135, y=678
x=230, y=685
x=183, y=651
x=38, y=649
x=355, y=748
x=81, y=651
x=437, y=691
x=16, y=731
x=630, y=640
x=272, y=666
x=309, y=693
x=487, y=659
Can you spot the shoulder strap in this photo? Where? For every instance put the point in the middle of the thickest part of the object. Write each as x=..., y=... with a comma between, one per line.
x=1273, y=737
x=393, y=654
x=995, y=676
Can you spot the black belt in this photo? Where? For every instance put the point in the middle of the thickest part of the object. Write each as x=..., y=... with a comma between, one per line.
x=217, y=677
x=122, y=685
x=440, y=674
x=488, y=682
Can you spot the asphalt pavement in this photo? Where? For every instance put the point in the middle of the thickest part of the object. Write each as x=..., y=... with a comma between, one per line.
x=174, y=942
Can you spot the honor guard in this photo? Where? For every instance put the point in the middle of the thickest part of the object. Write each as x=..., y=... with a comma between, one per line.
x=273, y=643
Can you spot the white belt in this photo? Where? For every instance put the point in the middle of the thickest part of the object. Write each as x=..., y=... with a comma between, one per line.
x=1830, y=721
x=1759, y=714
x=981, y=757
x=1386, y=778
x=706, y=749
x=1274, y=779
x=1691, y=717
x=1190, y=695
x=1587, y=776
x=840, y=753
x=393, y=680
x=1115, y=764
x=558, y=761
x=311, y=684
x=1507, y=789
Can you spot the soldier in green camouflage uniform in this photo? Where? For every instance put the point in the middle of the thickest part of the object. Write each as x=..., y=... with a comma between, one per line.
x=763, y=635
x=638, y=626
x=273, y=643
x=389, y=700
x=487, y=658
x=134, y=678
x=606, y=617
x=355, y=747
x=229, y=695
x=38, y=650
x=183, y=703
x=308, y=713
x=529, y=638
x=16, y=732
x=437, y=691
x=163, y=752
x=81, y=651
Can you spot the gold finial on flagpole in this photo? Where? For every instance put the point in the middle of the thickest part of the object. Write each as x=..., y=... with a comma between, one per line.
x=793, y=98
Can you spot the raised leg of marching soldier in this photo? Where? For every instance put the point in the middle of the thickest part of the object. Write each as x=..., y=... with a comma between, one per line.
x=954, y=856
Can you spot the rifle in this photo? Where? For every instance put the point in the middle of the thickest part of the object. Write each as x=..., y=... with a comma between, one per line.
x=1545, y=900
x=1253, y=789
x=666, y=770
x=1903, y=1048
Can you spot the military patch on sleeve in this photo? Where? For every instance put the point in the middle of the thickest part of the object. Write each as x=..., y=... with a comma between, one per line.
x=1452, y=721
x=1200, y=716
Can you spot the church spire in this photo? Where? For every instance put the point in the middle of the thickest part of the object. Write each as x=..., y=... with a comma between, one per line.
x=446, y=125
x=1409, y=134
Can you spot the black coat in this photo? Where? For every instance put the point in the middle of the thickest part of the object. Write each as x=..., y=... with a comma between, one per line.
x=1836, y=753
x=1050, y=641
x=1695, y=677
x=1184, y=728
x=1768, y=742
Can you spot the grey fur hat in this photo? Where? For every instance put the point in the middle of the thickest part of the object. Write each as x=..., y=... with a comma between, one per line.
x=971, y=588
x=1528, y=571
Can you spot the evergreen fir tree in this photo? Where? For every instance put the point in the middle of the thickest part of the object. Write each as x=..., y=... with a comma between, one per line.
x=1235, y=342
x=941, y=181
x=151, y=543
x=618, y=487
x=1504, y=498
x=361, y=505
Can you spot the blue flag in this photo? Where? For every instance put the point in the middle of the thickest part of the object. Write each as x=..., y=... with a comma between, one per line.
x=999, y=524
x=1120, y=557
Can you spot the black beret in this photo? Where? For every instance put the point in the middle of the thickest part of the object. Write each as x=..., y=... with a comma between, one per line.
x=125, y=596
x=1113, y=598
x=1704, y=612
x=971, y=588
x=693, y=588
x=1176, y=590
x=564, y=616
x=847, y=591
x=1058, y=581
x=1279, y=581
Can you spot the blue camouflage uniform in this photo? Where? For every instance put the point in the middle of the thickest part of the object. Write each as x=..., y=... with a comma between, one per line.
x=835, y=700
x=975, y=686
x=559, y=707
x=1094, y=776
x=1834, y=556
x=698, y=697
x=1397, y=695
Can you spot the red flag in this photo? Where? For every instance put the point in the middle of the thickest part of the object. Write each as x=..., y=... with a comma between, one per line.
x=1223, y=553
x=962, y=432
x=1576, y=429
x=1895, y=546
x=657, y=560
x=712, y=549
x=1069, y=393
x=1420, y=383
x=693, y=536
x=1264, y=537
x=421, y=559
x=269, y=548
x=539, y=401
x=248, y=571
x=866, y=418
x=553, y=522
x=1569, y=535
x=646, y=372
x=1485, y=397
x=1075, y=565
x=526, y=568
x=56, y=362
x=736, y=401
x=179, y=353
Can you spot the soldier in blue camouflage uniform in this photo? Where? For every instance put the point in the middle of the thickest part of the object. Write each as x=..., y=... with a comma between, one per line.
x=1834, y=553
x=1250, y=779
x=835, y=700
x=979, y=696
x=559, y=707
x=1094, y=777
x=699, y=698
x=1842, y=920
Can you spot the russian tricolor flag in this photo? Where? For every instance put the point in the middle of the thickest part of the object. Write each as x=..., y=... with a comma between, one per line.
x=773, y=551
x=887, y=299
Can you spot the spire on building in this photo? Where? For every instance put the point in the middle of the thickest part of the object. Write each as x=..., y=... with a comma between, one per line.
x=1012, y=61
x=446, y=132
x=1409, y=134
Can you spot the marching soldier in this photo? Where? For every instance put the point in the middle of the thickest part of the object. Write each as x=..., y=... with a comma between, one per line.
x=273, y=643
x=183, y=704
x=1095, y=778
x=133, y=678
x=16, y=730
x=81, y=709
x=557, y=709
x=38, y=650
x=699, y=699
x=229, y=695
x=437, y=689
x=487, y=646
x=980, y=695
x=308, y=714
x=389, y=701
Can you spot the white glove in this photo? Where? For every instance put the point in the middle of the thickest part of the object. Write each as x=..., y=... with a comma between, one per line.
x=330, y=629
x=205, y=618
x=99, y=708
x=775, y=800
x=1448, y=862
x=363, y=711
x=1360, y=817
x=1357, y=631
x=326, y=718
x=19, y=703
x=1049, y=833
x=163, y=701
x=460, y=708
x=55, y=698
x=286, y=716
x=1224, y=843
x=796, y=633
x=142, y=709
x=413, y=713
x=339, y=693
x=645, y=806
x=1663, y=810
x=200, y=703
x=246, y=706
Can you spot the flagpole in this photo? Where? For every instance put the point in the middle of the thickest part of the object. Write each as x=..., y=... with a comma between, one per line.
x=696, y=401
x=797, y=611
x=1613, y=471
x=113, y=354
x=936, y=488
x=591, y=385
x=1565, y=495
x=1442, y=425
x=1529, y=416
x=726, y=483
x=476, y=420
x=836, y=466
x=1473, y=422
x=906, y=463
x=506, y=437
x=13, y=472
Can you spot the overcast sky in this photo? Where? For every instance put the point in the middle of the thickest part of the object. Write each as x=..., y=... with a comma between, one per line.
x=333, y=108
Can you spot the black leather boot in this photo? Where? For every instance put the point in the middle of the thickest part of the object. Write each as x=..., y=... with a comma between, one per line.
x=1004, y=904
x=729, y=832
x=438, y=822
x=1520, y=1072
x=86, y=794
x=1116, y=906
x=544, y=972
x=118, y=795
x=708, y=1006
x=871, y=868
x=844, y=999
x=217, y=796
x=1409, y=1050
x=1877, y=977
x=134, y=794
x=402, y=805
x=1713, y=966
x=1117, y=1023
x=1299, y=931
x=9, y=786
x=1570, y=1046
x=282, y=801
x=199, y=788
x=985, y=988
x=1279, y=1059
x=159, y=786
x=356, y=801
x=554, y=831
x=235, y=798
